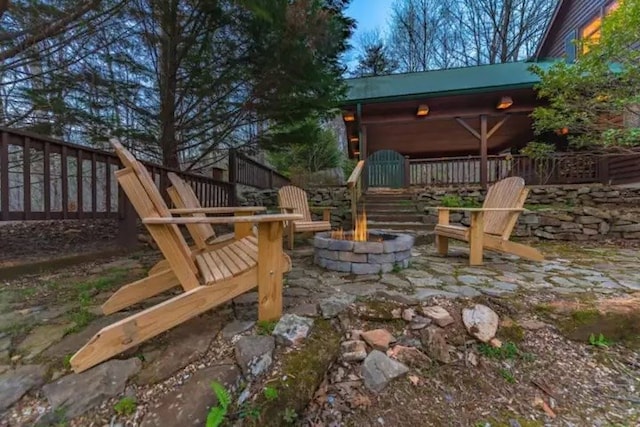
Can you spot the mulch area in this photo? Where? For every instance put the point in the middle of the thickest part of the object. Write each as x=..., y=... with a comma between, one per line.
x=31, y=241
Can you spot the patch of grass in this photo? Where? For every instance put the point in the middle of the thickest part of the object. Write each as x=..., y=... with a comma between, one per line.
x=538, y=207
x=599, y=341
x=507, y=375
x=265, y=327
x=270, y=393
x=126, y=406
x=66, y=362
x=80, y=318
x=508, y=351
x=455, y=201
x=543, y=309
x=290, y=416
x=513, y=333
x=581, y=317
x=218, y=413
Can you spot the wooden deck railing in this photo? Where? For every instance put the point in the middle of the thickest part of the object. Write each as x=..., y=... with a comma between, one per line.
x=246, y=171
x=569, y=168
x=354, y=184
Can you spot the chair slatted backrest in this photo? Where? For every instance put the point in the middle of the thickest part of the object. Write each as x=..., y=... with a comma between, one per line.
x=145, y=197
x=507, y=193
x=291, y=196
x=183, y=196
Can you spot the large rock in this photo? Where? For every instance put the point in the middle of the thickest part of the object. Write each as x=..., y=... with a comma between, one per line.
x=73, y=342
x=379, y=369
x=410, y=356
x=481, y=322
x=236, y=327
x=336, y=304
x=14, y=383
x=186, y=344
x=378, y=339
x=435, y=344
x=77, y=393
x=189, y=404
x=254, y=354
x=439, y=315
x=292, y=329
x=41, y=338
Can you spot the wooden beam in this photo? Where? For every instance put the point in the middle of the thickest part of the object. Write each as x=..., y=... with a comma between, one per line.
x=465, y=125
x=483, y=151
x=411, y=118
x=497, y=126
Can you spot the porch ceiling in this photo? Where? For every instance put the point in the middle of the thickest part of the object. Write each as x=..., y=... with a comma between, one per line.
x=446, y=137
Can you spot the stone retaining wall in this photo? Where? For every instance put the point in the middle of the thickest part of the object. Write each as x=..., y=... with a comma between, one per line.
x=337, y=197
x=569, y=212
x=576, y=224
x=564, y=195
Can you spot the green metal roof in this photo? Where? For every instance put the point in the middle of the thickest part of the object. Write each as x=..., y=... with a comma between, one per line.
x=452, y=81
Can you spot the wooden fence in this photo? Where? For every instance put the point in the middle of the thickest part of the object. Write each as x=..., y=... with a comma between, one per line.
x=246, y=171
x=574, y=168
x=44, y=178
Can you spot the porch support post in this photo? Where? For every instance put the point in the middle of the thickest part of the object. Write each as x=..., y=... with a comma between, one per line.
x=364, y=154
x=484, y=162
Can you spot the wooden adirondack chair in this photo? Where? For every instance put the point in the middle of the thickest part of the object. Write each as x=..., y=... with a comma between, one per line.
x=203, y=235
x=491, y=225
x=294, y=200
x=212, y=278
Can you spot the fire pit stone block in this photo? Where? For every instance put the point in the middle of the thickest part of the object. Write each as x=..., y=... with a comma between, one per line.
x=341, y=245
x=368, y=247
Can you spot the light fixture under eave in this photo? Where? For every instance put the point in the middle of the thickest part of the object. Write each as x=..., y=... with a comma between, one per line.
x=354, y=139
x=348, y=116
x=356, y=153
x=423, y=110
x=505, y=102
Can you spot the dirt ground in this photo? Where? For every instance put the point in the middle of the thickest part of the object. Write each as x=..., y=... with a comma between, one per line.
x=29, y=241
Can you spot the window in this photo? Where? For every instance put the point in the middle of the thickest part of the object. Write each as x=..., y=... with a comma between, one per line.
x=590, y=33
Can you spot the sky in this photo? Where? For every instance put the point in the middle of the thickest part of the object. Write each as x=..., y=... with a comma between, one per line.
x=369, y=15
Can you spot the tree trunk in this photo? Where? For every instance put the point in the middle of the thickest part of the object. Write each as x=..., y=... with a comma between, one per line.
x=168, y=73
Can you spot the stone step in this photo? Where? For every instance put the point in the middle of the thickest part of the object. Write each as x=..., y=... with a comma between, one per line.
x=387, y=205
x=393, y=217
x=408, y=226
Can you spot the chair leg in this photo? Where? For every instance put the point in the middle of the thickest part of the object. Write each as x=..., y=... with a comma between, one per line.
x=514, y=248
x=140, y=290
x=270, y=271
x=148, y=323
x=476, y=235
x=442, y=243
x=291, y=236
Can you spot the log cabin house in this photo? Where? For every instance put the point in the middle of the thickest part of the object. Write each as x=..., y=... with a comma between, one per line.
x=465, y=125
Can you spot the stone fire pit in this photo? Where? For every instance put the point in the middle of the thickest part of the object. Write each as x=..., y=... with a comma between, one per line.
x=380, y=254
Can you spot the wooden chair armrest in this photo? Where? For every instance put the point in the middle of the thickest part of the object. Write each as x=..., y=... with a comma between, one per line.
x=220, y=210
x=322, y=208
x=222, y=220
x=445, y=208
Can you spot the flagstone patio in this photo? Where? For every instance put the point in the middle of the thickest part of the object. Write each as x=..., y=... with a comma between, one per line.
x=45, y=318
